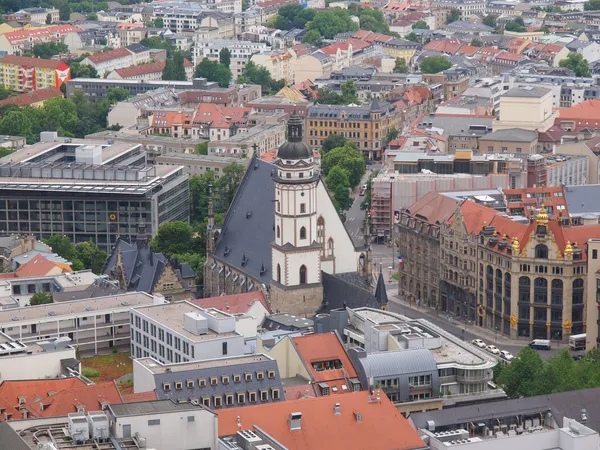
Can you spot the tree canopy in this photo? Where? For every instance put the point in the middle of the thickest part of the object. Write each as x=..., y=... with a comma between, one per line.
x=490, y=20
x=175, y=68
x=85, y=255
x=517, y=26
x=156, y=42
x=412, y=36
x=400, y=66
x=312, y=37
x=592, y=5
x=214, y=71
x=577, y=64
x=435, y=64
x=475, y=42
x=337, y=182
x=255, y=74
x=292, y=16
x=420, y=24
x=332, y=141
x=40, y=298
x=327, y=96
x=330, y=22
x=348, y=158
x=373, y=20
x=528, y=374
x=225, y=56
x=47, y=50
x=453, y=15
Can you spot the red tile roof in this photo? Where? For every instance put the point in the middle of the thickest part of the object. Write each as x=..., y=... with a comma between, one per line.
x=32, y=97
x=233, y=304
x=33, y=62
x=316, y=348
x=207, y=114
x=299, y=391
x=55, y=398
x=101, y=57
x=449, y=46
x=37, y=267
x=142, y=69
x=381, y=425
x=140, y=397
x=586, y=111
x=33, y=33
x=433, y=207
x=475, y=214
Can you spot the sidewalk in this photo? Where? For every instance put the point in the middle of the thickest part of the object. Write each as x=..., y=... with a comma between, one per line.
x=482, y=333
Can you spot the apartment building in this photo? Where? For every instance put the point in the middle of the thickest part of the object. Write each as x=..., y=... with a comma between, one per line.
x=365, y=126
x=226, y=382
x=33, y=15
x=23, y=74
x=528, y=107
x=280, y=65
x=241, y=52
x=259, y=139
x=517, y=141
x=418, y=230
x=16, y=42
x=207, y=120
x=194, y=164
x=441, y=8
x=181, y=332
x=106, y=62
x=91, y=324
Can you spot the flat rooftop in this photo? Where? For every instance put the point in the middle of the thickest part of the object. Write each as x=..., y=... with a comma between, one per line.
x=171, y=315
x=152, y=407
x=54, y=311
x=190, y=158
x=451, y=350
x=158, y=368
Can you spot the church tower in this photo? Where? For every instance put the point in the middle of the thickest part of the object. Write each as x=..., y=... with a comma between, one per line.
x=296, y=286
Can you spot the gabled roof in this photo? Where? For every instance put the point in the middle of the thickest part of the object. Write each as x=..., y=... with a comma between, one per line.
x=343, y=290
x=233, y=304
x=380, y=290
x=33, y=62
x=433, y=207
x=315, y=348
x=40, y=266
x=475, y=214
x=109, y=55
x=29, y=98
x=381, y=426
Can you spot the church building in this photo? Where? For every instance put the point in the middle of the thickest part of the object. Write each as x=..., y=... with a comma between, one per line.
x=283, y=235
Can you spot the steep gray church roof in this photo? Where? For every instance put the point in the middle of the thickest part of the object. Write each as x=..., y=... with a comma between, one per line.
x=248, y=227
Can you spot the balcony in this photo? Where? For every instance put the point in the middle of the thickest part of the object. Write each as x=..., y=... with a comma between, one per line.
x=469, y=379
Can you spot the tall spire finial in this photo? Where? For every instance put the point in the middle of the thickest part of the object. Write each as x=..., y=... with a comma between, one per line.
x=211, y=217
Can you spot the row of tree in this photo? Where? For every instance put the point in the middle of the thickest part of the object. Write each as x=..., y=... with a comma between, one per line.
x=528, y=374
x=74, y=117
x=85, y=255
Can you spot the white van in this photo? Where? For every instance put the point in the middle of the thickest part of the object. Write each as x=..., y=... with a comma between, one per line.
x=540, y=344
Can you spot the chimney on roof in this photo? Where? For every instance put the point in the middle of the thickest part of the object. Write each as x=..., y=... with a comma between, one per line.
x=336, y=410
x=295, y=421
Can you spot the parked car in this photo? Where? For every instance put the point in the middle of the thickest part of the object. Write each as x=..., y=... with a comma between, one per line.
x=506, y=355
x=478, y=343
x=577, y=357
x=493, y=349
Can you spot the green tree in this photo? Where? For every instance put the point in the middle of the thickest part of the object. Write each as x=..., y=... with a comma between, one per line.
x=225, y=56
x=82, y=71
x=47, y=50
x=40, y=298
x=420, y=24
x=255, y=74
x=63, y=247
x=577, y=64
x=92, y=16
x=227, y=185
x=48, y=19
x=64, y=9
x=400, y=66
x=348, y=158
x=16, y=123
x=116, y=95
x=453, y=15
x=175, y=68
x=196, y=262
x=372, y=20
x=198, y=186
x=475, y=42
x=202, y=148
x=435, y=64
x=214, y=71
x=312, y=37
x=391, y=134
x=519, y=21
x=173, y=238
x=524, y=375
x=332, y=141
x=490, y=20
x=292, y=16
x=349, y=92
x=337, y=182
x=330, y=22
x=592, y=5
x=515, y=27
x=159, y=22
x=156, y=42
x=326, y=96
x=91, y=256
x=412, y=36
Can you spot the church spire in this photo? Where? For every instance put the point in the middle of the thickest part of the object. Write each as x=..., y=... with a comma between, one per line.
x=381, y=292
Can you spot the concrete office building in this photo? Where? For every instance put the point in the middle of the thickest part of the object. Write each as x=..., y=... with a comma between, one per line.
x=215, y=383
x=93, y=324
x=181, y=332
x=88, y=190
